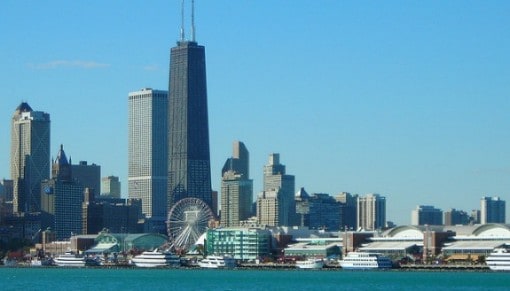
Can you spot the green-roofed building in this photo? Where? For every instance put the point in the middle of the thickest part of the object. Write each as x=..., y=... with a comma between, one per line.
x=107, y=243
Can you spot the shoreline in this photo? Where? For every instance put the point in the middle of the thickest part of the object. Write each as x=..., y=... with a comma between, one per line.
x=283, y=267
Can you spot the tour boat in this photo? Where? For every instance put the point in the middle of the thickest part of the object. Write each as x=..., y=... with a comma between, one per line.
x=310, y=263
x=69, y=259
x=217, y=262
x=498, y=260
x=362, y=260
x=156, y=259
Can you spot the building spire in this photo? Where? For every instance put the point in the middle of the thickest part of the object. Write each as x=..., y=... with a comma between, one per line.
x=193, y=20
x=182, y=31
x=182, y=21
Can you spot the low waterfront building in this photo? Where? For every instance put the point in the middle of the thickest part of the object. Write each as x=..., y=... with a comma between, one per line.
x=315, y=247
x=475, y=241
x=121, y=242
x=450, y=243
x=76, y=243
x=407, y=242
x=242, y=243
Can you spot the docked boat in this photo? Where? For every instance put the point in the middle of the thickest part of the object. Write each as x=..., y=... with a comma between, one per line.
x=213, y=261
x=310, y=263
x=9, y=262
x=362, y=260
x=69, y=259
x=499, y=260
x=156, y=258
x=36, y=262
x=93, y=261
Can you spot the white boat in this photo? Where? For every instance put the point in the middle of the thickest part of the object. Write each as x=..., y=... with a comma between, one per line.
x=35, y=262
x=213, y=261
x=362, y=260
x=498, y=260
x=155, y=259
x=310, y=263
x=69, y=259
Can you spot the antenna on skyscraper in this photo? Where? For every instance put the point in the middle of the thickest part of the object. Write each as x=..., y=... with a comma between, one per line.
x=193, y=20
x=182, y=20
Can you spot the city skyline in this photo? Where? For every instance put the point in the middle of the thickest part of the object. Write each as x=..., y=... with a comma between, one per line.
x=405, y=99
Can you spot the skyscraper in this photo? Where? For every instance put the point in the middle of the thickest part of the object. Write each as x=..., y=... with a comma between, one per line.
x=240, y=160
x=269, y=208
x=348, y=210
x=303, y=206
x=426, y=214
x=189, y=172
x=147, y=169
x=371, y=212
x=236, y=188
x=275, y=179
x=30, y=156
x=454, y=217
x=89, y=175
x=61, y=199
x=492, y=210
x=110, y=187
x=324, y=212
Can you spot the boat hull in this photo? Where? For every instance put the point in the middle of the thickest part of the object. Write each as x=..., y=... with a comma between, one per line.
x=77, y=264
x=214, y=262
x=313, y=264
x=156, y=260
x=365, y=261
x=499, y=260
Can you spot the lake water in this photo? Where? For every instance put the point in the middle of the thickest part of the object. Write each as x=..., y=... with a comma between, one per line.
x=52, y=279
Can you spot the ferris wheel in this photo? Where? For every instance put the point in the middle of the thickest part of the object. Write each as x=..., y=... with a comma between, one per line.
x=187, y=221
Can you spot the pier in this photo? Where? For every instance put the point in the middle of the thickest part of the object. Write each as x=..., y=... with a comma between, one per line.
x=445, y=267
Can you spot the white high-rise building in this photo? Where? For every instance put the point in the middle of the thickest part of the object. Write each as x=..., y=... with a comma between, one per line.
x=371, y=212
x=148, y=147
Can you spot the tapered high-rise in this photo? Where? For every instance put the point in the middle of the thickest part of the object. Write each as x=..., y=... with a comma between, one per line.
x=277, y=182
x=30, y=157
x=188, y=133
x=236, y=187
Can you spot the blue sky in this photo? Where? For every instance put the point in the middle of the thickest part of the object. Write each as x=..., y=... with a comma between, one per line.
x=409, y=99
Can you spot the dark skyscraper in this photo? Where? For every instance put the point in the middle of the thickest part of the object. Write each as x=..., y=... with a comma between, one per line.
x=61, y=199
x=188, y=131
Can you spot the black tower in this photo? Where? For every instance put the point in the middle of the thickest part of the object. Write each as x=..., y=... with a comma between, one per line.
x=189, y=173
